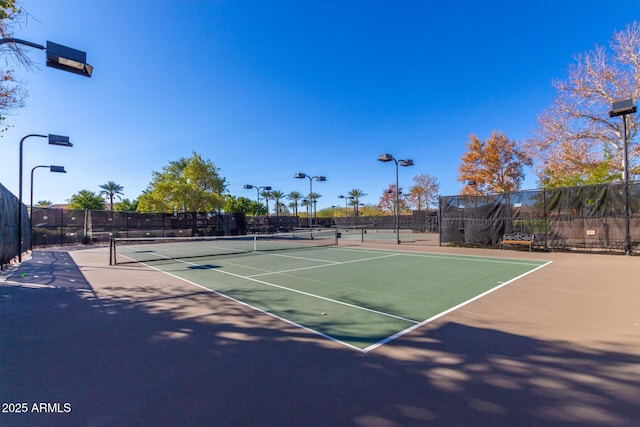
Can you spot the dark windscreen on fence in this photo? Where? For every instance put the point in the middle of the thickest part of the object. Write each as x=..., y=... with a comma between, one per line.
x=9, y=226
x=68, y=226
x=590, y=216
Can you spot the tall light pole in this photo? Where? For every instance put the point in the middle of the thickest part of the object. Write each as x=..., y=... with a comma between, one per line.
x=52, y=168
x=301, y=175
x=385, y=157
x=624, y=108
x=62, y=141
x=63, y=58
x=266, y=188
x=346, y=209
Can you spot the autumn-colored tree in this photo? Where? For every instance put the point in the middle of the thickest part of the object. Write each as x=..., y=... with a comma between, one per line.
x=190, y=184
x=424, y=191
x=576, y=141
x=387, y=201
x=12, y=92
x=494, y=166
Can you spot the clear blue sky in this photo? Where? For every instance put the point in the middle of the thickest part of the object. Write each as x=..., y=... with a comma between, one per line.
x=265, y=89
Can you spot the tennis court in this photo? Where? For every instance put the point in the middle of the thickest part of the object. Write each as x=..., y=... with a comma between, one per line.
x=359, y=297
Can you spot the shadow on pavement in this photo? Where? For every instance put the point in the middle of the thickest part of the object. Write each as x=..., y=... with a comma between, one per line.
x=126, y=361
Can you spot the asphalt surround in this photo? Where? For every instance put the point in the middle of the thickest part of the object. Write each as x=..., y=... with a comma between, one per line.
x=126, y=345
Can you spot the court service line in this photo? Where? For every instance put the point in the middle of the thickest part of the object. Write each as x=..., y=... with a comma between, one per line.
x=333, y=264
x=382, y=313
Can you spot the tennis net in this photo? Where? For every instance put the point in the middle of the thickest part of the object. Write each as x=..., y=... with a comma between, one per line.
x=146, y=249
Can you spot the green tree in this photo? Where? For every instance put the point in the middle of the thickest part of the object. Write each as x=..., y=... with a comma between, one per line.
x=357, y=194
x=277, y=195
x=244, y=205
x=126, y=205
x=295, y=197
x=189, y=184
x=576, y=140
x=42, y=204
x=266, y=195
x=85, y=199
x=305, y=203
x=313, y=199
x=496, y=166
x=111, y=190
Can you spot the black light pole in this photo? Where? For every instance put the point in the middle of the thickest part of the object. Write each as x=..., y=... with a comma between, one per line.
x=624, y=108
x=301, y=175
x=63, y=58
x=385, y=157
x=267, y=188
x=52, y=168
x=53, y=140
x=346, y=209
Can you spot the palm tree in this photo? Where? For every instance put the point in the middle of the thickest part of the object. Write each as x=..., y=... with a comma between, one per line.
x=356, y=193
x=43, y=204
x=295, y=196
x=266, y=195
x=313, y=198
x=277, y=195
x=111, y=190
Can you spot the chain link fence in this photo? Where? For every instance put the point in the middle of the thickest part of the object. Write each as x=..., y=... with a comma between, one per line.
x=53, y=227
x=9, y=226
x=590, y=217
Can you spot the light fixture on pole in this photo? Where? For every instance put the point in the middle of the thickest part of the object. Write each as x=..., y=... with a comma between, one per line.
x=58, y=56
x=624, y=108
x=266, y=188
x=301, y=175
x=385, y=157
x=52, y=168
x=346, y=209
x=474, y=184
x=62, y=141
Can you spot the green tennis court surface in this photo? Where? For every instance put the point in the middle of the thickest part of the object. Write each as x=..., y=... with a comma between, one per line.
x=359, y=297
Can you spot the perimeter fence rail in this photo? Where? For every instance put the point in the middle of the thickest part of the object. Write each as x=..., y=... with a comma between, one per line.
x=53, y=227
x=9, y=226
x=590, y=217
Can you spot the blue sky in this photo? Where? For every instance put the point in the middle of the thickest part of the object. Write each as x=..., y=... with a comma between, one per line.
x=265, y=89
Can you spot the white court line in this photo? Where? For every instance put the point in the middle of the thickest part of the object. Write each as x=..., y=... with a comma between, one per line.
x=416, y=324
x=26, y=284
x=312, y=295
x=253, y=307
x=333, y=264
x=474, y=258
x=437, y=316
